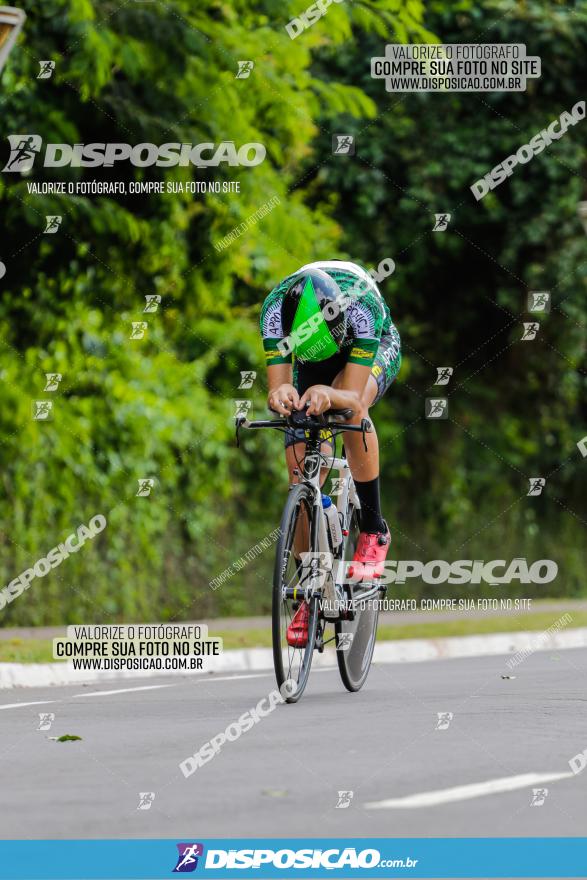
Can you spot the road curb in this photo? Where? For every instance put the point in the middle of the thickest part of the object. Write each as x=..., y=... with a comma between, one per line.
x=260, y=659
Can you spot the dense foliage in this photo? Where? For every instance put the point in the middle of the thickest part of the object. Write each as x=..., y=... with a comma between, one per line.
x=161, y=407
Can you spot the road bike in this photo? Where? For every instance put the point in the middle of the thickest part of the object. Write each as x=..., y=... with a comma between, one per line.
x=311, y=567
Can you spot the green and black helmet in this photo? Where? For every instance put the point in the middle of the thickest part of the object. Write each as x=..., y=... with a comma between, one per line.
x=313, y=316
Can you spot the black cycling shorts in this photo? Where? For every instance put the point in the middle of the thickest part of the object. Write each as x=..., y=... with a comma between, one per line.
x=384, y=370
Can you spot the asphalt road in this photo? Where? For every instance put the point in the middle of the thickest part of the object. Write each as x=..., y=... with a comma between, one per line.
x=282, y=777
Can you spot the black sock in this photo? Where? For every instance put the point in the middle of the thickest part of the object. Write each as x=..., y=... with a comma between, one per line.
x=371, y=519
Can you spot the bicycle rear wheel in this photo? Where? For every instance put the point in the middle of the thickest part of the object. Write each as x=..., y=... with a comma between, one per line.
x=292, y=664
x=355, y=639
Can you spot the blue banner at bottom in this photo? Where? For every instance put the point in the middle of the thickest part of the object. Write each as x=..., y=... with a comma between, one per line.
x=554, y=857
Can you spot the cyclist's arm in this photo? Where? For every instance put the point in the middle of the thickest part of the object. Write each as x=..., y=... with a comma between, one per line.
x=347, y=396
x=282, y=396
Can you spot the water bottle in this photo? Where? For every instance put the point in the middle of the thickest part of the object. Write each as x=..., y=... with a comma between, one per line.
x=333, y=521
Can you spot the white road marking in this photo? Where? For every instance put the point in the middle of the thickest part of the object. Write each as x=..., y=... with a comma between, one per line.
x=235, y=677
x=36, y=703
x=466, y=792
x=147, y=687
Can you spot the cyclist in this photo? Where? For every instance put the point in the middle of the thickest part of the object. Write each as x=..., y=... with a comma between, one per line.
x=330, y=343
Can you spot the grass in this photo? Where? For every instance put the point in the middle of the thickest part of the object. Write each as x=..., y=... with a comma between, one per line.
x=40, y=650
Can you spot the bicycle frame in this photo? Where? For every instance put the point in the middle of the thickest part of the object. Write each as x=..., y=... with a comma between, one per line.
x=314, y=462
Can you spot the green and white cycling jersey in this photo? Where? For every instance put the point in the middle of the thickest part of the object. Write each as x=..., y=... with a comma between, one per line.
x=367, y=313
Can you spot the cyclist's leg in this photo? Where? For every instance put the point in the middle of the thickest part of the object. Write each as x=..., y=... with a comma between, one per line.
x=364, y=464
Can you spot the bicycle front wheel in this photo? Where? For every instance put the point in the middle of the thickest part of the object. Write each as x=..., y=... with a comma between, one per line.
x=292, y=664
x=355, y=639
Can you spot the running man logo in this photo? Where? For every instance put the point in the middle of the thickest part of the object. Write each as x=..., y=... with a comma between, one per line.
x=42, y=410
x=187, y=859
x=53, y=222
x=46, y=71
x=344, y=799
x=46, y=719
x=244, y=69
x=344, y=640
x=53, y=380
x=530, y=331
x=337, y=486
x=444, y=374
x=537, y=484
x=145, y=486
x=146, y=799
x=316, y=566
x=23, y=151
x=539, y=795
x=139, y=328
x=444, y=719
x=441, y=222
x=241, y=408
x=152, y=302
x=436, y=408
x=539, y=301
x=247, y=378
x=343, y=144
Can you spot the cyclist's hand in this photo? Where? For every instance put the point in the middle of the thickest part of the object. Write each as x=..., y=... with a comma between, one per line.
x=318, y=397
x=284, y=399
